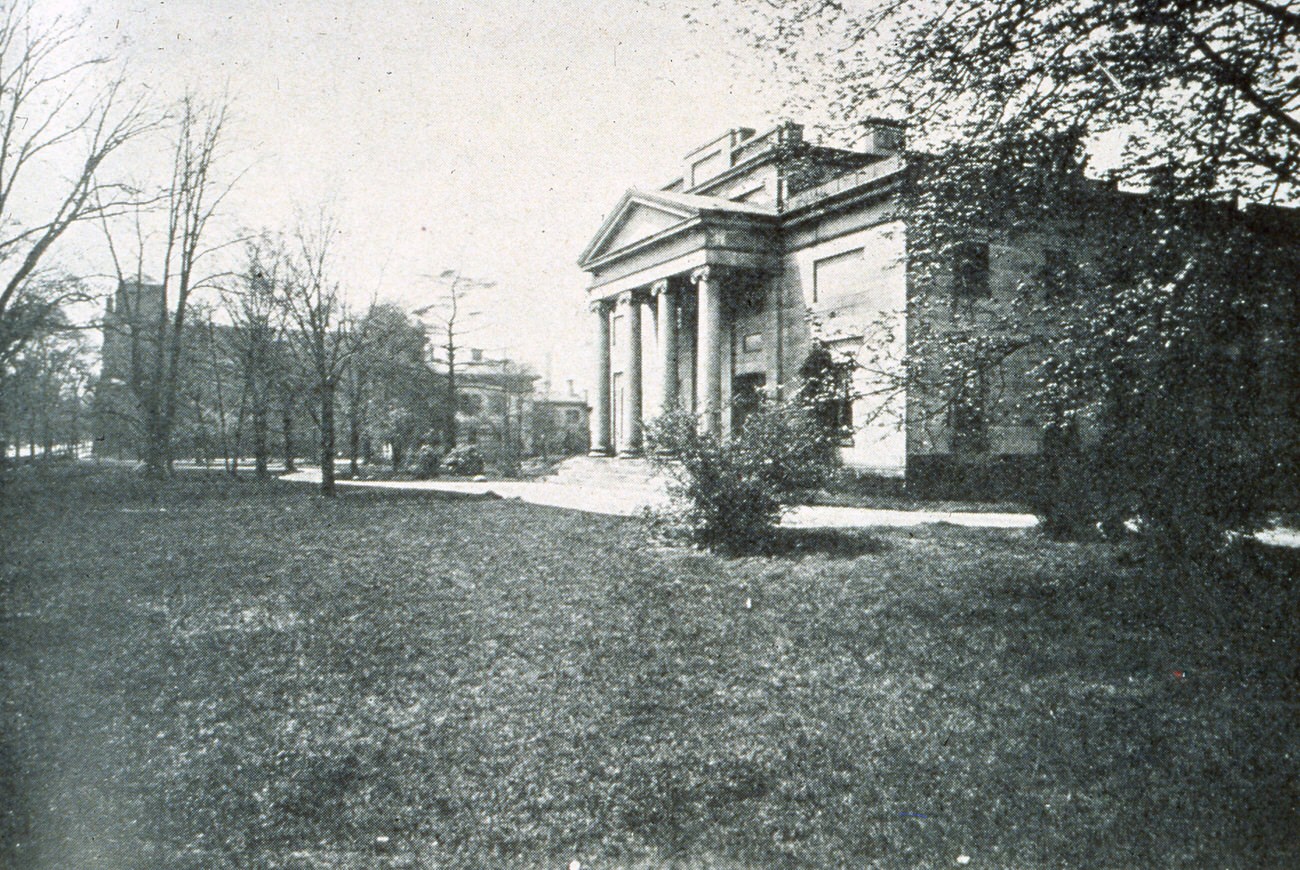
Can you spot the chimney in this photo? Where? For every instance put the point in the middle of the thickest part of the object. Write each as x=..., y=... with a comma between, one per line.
x=883, y=137
x=476, y=354
x=570, y=383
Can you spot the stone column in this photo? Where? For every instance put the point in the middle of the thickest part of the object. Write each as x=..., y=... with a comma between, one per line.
x=667, y=316
x=708, y=362
x=631, y=368
x=600, y=418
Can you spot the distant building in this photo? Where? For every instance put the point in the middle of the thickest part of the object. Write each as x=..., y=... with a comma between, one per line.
x=494, y=403
x=128, y=342
x=561, y=423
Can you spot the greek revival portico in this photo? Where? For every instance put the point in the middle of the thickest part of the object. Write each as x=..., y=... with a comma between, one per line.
x=667, y=269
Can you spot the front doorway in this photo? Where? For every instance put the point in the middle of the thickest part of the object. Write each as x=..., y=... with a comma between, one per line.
x=746, y=395
x=616, y=424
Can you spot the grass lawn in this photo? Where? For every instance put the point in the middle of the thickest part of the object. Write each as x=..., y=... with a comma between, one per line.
x=219, y=674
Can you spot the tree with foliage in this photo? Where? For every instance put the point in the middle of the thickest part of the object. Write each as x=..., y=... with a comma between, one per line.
x=42, y=391
x=1160, y=301
x=1205, y=92
x=393, y=395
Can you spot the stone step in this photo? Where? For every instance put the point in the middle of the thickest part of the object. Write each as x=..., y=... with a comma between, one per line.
x=609, y=473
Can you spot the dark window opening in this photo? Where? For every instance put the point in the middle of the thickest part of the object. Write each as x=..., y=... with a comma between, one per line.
x=746, y=396
x=1059, y=276
x=970, y=271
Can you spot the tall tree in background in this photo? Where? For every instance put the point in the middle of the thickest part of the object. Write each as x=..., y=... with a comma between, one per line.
x=323, y=333
x=42, y=391
x=257, y=327
x=155, y=314
x=57, y=132
x=450, y=314
x=389, y=388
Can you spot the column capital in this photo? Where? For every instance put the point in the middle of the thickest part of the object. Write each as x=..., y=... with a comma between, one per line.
x=702, y=273
x=629, y=297
x=659, y=288
x=599, y=306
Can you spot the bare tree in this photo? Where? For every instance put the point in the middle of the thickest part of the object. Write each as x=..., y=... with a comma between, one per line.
x=51, y=116
x=257, y=326
x=155, y=314
x=449, y=314
x=323, y=334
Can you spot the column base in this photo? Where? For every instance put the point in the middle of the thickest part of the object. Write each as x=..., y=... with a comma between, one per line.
x=600, y=452
x=630, y=453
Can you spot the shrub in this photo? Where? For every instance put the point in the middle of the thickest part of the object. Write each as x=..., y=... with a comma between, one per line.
x=426, y=464
x=729, y=493
x=465, y=461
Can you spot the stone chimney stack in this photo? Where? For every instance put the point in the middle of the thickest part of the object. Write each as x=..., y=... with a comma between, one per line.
x=883, y=137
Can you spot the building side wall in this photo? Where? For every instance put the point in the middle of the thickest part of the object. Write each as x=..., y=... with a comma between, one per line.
x=870, y=294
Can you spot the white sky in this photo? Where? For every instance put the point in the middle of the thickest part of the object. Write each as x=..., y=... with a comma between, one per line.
x=490, y=137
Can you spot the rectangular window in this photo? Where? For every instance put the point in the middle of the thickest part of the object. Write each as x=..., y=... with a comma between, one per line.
x=573, y=415
x=970, y=271
x=837, y=276
x=1060, y=278
x=752, y=343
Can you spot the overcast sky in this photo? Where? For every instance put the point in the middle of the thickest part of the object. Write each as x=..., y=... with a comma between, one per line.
x=490, y=137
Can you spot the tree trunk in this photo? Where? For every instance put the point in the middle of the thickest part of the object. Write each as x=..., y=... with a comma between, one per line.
x=354, y=446
x=327, y=440
x=287, y=420
x=449, y=420
x=260, y=449
x=156, y=460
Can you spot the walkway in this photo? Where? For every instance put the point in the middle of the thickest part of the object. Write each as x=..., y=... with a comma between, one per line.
x=623, y=503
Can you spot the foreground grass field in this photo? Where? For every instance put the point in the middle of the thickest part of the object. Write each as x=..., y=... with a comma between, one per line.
x=214, y=674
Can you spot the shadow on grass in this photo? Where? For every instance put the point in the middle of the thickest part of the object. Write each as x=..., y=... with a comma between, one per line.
x=842, y=543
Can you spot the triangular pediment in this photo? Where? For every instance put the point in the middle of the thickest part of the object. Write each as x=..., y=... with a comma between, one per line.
x=640, y=222
x=635, y=219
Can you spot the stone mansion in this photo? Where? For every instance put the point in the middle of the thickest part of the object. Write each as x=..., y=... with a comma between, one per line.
x=700, y=289
x=715, y=288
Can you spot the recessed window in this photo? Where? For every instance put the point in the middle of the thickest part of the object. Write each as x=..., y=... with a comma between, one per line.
x=837, y=276
x=752, y=343
x=573, y=415
x=1060, y=278
x=970, y=271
